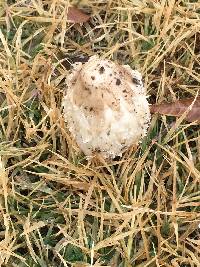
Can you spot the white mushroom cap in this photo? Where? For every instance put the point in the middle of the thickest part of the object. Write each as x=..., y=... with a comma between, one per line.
x=105, y=107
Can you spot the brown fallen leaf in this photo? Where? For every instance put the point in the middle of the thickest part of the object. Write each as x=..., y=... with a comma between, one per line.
x=75, y=15
x=177, y=108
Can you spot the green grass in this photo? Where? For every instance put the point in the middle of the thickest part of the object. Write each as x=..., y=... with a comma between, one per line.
x=56, y=207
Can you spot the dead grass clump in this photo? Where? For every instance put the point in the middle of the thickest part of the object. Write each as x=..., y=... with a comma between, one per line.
x=59, y=209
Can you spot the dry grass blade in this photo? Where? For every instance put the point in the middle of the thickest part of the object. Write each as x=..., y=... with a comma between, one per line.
x=179, y=107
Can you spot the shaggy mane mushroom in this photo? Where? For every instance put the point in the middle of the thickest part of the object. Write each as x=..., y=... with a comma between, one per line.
x=105, y=107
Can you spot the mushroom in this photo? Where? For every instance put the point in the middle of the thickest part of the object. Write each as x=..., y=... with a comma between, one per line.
x=105, y=107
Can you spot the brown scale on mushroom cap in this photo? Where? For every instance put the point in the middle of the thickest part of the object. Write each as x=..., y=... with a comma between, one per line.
x=117, y=82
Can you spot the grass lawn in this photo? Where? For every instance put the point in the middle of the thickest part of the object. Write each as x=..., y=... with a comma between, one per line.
x=57, y=208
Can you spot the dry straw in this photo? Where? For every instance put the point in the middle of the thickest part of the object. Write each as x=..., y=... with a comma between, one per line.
x=57, y=208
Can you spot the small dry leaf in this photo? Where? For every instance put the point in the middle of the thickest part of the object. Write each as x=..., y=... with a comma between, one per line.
x=178, y=108
x=75, y=15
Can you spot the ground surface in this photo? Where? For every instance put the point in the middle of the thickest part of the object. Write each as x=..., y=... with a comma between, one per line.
x=57, y=208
